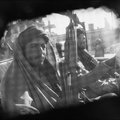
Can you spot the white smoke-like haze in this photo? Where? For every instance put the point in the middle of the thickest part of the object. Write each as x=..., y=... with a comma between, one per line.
x=103, y=19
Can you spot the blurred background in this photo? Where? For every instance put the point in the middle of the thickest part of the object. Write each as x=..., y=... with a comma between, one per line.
x=100, y=17
x=101, y=23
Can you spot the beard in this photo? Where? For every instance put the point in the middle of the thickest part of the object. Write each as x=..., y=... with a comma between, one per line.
x=36, y=61
x=81, y=47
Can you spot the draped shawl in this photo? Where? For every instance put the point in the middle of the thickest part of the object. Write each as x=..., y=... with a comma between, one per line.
x=21, y=78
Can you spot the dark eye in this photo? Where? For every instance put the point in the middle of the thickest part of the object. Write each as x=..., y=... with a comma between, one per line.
x=34, y=45
x=43, y=46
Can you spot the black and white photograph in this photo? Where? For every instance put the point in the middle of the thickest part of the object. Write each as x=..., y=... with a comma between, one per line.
x=60, y=60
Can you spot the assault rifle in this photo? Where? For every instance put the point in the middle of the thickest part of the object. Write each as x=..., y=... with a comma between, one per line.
x=70, y=63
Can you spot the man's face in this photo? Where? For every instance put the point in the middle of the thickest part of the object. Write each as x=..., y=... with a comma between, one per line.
x=81, y=41
x=36, y=51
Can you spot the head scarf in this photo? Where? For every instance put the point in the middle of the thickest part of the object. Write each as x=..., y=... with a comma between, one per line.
x=29, y=34
x=87, y=60
x=21, y=78
x=80, y=31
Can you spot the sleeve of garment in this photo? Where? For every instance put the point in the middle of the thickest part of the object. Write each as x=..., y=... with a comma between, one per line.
x=92, y=76
x=93, y=59
x=100, y=89
x=88, y=60
x=104, y=87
